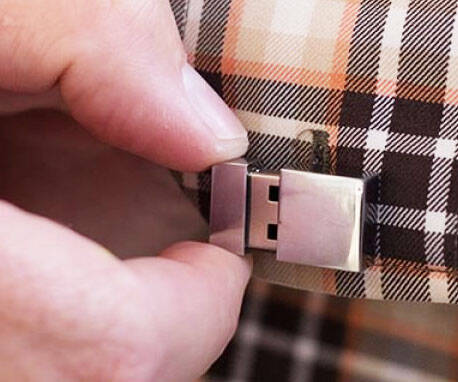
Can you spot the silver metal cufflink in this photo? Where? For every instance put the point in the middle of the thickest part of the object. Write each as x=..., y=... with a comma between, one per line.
x=304, y=217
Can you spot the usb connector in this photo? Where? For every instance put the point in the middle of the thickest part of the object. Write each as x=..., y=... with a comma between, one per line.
x=305, y=218
x=263, y=198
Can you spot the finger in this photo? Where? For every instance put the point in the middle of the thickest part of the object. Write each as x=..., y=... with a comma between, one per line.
x=174, y=313
x=124, y=76
x=205, y=287
x=69, y=310
x=43, y=261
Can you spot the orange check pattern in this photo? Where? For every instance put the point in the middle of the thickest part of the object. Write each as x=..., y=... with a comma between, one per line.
x=377, y=79
x=346, y=87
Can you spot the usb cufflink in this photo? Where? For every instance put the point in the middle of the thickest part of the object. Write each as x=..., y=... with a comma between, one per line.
x=305, y=218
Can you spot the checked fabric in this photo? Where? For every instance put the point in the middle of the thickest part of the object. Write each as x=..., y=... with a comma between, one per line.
x=347, y=87
x=290, y=336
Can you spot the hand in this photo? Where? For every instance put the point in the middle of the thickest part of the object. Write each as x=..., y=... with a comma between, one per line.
x=69, y=310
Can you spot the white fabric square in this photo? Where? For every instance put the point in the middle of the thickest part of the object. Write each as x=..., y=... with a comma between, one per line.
x=435, y=221
x=393, y=27
x=293, y=16
x=376, y=140
x=257, y=14
x=454, y=42
x=438, y=289
x=445, y=148
x=326, y=21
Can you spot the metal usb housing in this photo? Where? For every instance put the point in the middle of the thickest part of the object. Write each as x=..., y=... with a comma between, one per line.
x=303, y=217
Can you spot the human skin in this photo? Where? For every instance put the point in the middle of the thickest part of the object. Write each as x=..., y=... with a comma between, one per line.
x=70, y=310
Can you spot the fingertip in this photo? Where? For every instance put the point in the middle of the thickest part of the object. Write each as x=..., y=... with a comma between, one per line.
x=156, y=106
x=206, y=256
x=199, y=290
x=209, y=106
x=221, y=273
x=223, y=278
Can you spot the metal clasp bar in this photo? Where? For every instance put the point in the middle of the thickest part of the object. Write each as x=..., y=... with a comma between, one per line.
x=305, y=218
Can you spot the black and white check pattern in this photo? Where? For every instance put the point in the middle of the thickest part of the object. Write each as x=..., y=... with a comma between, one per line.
x=388, y=104
x=385, y=100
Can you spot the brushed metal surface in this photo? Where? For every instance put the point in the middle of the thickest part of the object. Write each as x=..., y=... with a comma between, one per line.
x=309, y=219
x=228, y=205
x=321, y=220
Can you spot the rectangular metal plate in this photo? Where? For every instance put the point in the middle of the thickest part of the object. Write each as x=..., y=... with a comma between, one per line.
x=228, y=206
x=320, y=220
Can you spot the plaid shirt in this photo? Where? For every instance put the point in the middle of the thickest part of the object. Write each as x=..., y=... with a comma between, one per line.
x=291, y=336
x=379, y=79
x=346, y=87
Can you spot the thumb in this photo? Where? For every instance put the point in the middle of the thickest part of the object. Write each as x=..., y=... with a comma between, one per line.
x=139, y=93
x=121, y=71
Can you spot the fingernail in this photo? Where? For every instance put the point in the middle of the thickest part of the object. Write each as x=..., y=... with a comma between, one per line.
x=214, y=112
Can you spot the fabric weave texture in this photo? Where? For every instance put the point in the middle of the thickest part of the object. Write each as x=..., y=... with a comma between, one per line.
x=378, y=79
